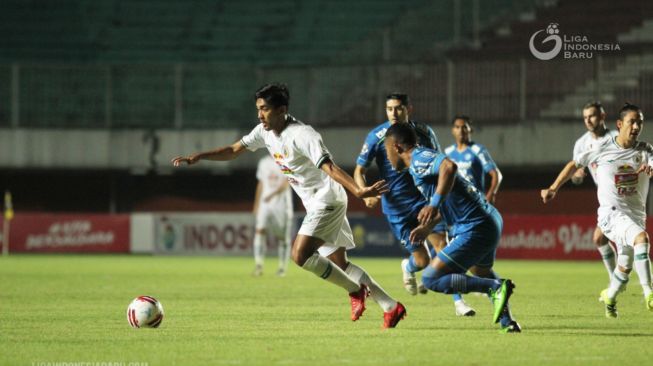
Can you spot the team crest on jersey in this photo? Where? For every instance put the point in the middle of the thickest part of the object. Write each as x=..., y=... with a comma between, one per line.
x=468, y=156
x=278, y=159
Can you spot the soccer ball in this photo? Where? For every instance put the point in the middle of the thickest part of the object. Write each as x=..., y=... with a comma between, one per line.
x=145, y=312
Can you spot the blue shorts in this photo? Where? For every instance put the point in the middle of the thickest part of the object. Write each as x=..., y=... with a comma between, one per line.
x=402, y=225
x=475, y=247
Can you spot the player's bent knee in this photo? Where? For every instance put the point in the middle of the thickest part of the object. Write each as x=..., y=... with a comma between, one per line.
x=299, y=256
x=641, y=238
x=485, y=272
x=598, y=238
x=421, y=262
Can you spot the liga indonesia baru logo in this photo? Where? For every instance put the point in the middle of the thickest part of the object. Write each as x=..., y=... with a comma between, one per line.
x=572, y=46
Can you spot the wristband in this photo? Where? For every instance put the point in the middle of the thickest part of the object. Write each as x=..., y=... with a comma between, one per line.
x=436, y=200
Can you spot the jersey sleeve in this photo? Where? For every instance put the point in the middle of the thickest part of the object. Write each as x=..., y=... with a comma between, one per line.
x=312, y=146
x=254, y=140
x=578, y=150
x=584, y=158
x=486, y=160
x=368, y=151
x=436, y=162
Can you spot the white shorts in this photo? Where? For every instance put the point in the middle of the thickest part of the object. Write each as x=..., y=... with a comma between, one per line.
x=277, y=222
x=331, y=225
x=620, y=228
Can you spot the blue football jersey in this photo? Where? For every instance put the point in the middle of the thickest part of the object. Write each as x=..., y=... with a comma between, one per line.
x=403, y=196
x=473, y=163
x=464, y=206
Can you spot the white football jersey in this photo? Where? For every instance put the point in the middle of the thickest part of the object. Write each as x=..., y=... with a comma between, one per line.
x=619, y=187
x=589, y=142
x=271, y=178
x=299, y=152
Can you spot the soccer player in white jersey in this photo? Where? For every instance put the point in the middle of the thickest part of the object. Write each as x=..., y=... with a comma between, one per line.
x=274, y=213
x=597, y=133
x=325, y=233
x=623, y=168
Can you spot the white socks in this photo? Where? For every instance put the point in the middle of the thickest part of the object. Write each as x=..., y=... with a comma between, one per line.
x=327, y=270
x=376, y=291
x=608, y=256
x=618, y=283
x=259, y=249
x=643, y=266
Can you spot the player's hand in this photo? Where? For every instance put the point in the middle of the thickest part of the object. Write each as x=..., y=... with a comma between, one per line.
x=491, y=197
x=427, y=215
x=372, y=202
x=267, y=198
x=547, y=195
x=190, y=160
x=419, y=234
x=578, y=176
x=648, y=169
x=374, y=190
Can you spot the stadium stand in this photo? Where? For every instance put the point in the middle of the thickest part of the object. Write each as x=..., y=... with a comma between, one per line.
x=193, y=64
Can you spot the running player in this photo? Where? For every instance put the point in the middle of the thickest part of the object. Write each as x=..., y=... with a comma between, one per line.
x=623, y=166
x=476, y=224
x=403, y=202
x=597, y=134
x=325, y=233
x=274, y=214
x=473, y=159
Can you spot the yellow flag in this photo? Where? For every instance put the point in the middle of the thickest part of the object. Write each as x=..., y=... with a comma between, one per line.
x=9, y=211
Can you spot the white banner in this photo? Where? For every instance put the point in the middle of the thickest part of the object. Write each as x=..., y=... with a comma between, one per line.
x=192, y=233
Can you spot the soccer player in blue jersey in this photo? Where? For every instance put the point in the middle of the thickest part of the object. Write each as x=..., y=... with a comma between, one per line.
x=403, y=202
x=473, y=159
x=476, y=224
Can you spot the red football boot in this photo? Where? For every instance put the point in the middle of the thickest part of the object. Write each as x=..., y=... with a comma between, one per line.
x=392, y=317
x=358, y=302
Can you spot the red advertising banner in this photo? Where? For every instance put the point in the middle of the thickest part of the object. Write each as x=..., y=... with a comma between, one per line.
x=549, y=237
x=79, y=233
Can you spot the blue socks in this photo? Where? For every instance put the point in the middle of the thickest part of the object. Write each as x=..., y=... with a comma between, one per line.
x=457, y=282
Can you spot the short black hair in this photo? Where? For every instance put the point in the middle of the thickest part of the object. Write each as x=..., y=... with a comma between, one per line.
x=274, y=94
x=594, y=104
x=628, y=108
x=465, y=118
x=403, y=134
x=402, y=97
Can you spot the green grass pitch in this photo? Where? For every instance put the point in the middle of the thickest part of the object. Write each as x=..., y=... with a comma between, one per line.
x=72, y=309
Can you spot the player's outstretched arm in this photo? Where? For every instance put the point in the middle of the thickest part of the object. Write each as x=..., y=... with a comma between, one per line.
x=220, y=154
x=361, y=180
x=567, y=172
x=348, y=182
